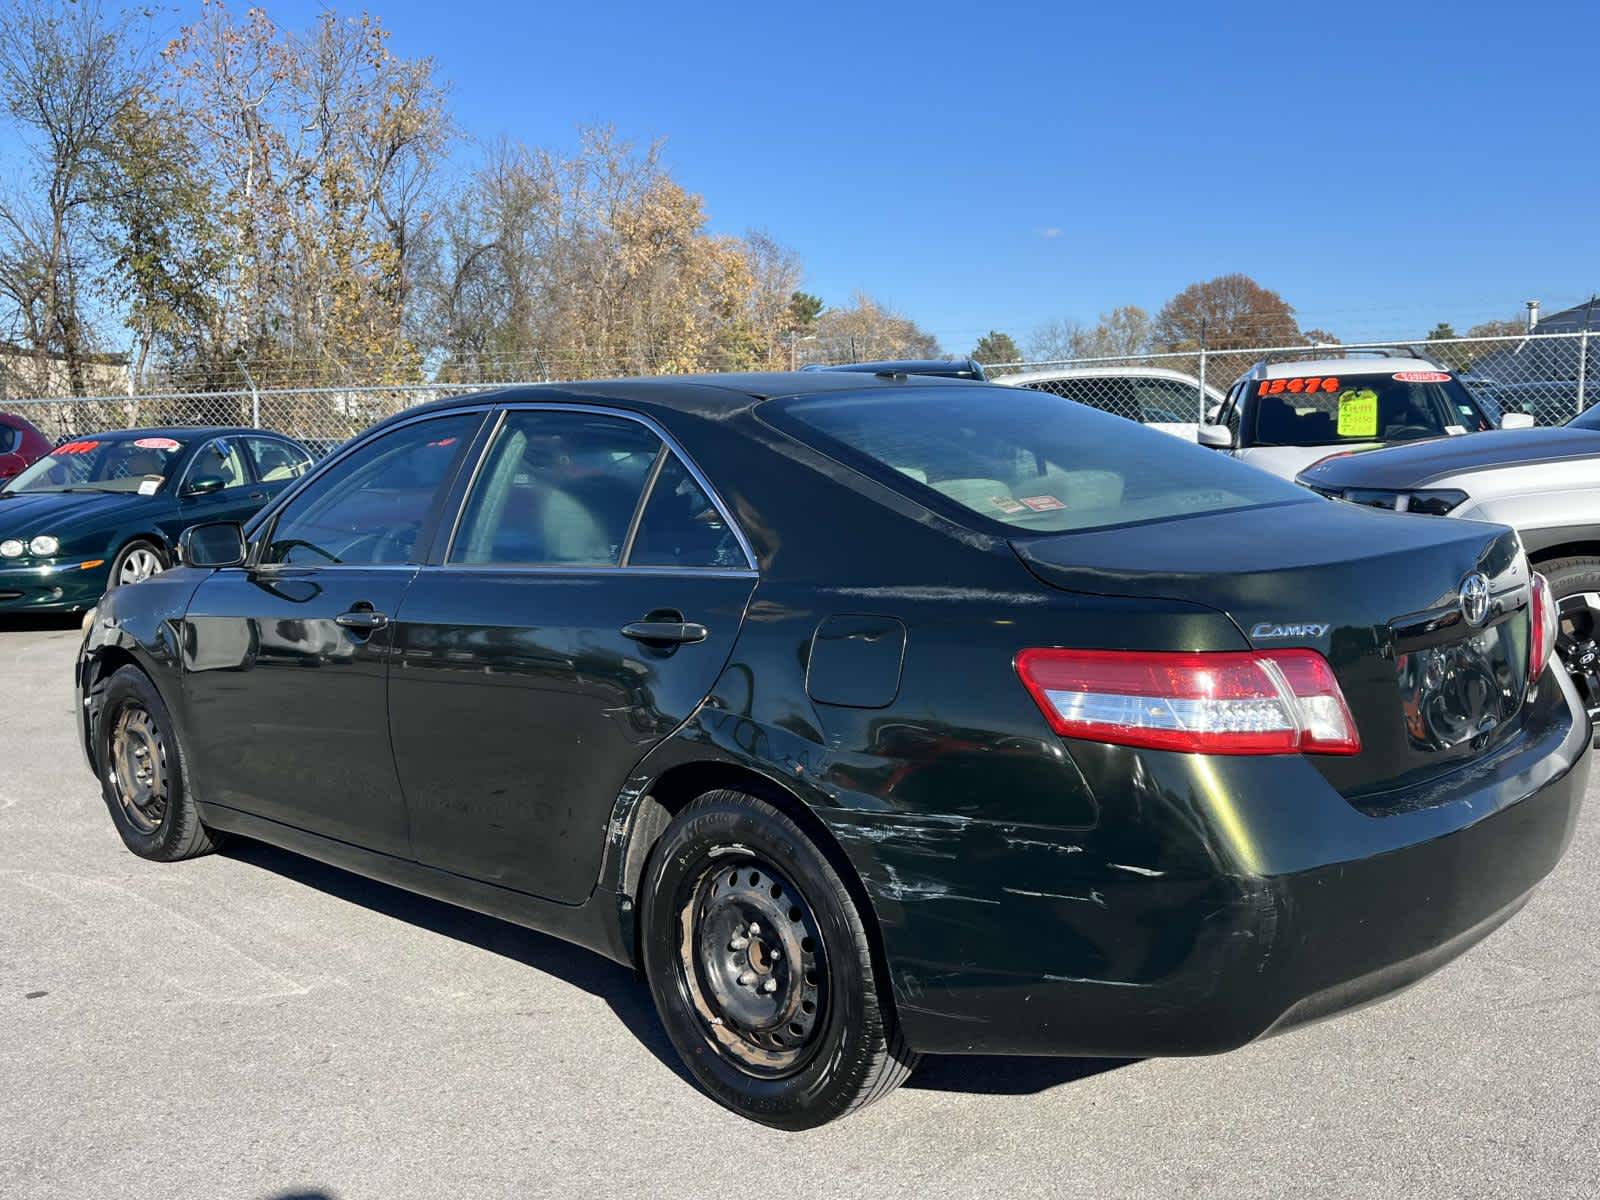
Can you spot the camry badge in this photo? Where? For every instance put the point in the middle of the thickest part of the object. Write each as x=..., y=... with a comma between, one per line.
x=1307, y=629
x=1475, y=598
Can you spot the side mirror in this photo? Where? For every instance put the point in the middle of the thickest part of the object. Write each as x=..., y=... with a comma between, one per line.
x=1218, y=437
x=205, y=485
x=1517, y=421
x=214, y=544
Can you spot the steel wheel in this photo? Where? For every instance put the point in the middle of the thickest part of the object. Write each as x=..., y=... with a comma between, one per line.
x=1576, y=635
x=752, y=965
x=138, y=768
x=137, y=564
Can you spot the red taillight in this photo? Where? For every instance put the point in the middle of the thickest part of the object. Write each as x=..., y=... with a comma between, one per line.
x=1542, y=641
x=1227, y=702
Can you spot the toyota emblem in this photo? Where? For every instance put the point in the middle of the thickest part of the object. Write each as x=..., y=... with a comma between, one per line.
x=1475, y=599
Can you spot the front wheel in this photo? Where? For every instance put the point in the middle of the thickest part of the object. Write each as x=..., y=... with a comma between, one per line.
x=136, y=562
x=761, y=969
x=143, y=773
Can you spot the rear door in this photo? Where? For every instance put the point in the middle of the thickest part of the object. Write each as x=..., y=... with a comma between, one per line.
x=578, y=614
x=286, y=658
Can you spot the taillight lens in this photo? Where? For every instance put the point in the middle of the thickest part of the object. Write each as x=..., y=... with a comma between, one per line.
x=1546, y=619
x=1225, y=702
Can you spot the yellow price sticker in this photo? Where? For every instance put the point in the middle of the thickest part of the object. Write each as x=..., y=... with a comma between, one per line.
x=1358, y=413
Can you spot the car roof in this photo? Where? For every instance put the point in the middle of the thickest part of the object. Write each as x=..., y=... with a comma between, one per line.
x=952, y=368
x=711, y=396
x=181, y=433
x=1346, y=366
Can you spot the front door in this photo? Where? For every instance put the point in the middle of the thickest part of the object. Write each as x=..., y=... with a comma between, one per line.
x=586, y=607
x=285, y=659
x=217, y=485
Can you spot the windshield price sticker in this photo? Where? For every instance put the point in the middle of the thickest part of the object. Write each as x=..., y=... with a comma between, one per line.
x=1358, y=413
x=76, y=447
x=1007, y=505
x=156, y=443
x=1043, y=503
x=1422, y=377
x=149, y=487
x=1295, y=387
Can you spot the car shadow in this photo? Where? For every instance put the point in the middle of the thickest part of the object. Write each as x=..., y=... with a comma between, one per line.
x=621, y=988
x=37, y=622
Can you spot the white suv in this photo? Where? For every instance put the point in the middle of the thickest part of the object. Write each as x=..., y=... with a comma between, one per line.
x=1154, y=396
x=1283, y=416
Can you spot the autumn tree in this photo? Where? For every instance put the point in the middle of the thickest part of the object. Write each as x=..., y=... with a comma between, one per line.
x=996, y=347
x=1506, y=328
x=154, y=223
x=1229, y=312
x=866, y=330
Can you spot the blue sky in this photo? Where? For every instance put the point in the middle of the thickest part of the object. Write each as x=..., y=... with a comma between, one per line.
x=1383, y=166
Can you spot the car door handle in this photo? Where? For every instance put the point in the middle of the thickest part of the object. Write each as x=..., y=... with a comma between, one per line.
x=362, y=620
x=258, y=495
x=666, y=632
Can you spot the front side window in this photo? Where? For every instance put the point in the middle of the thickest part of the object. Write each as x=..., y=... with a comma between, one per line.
x=9, y=438
x=103, y=464
x=1036, y=463
x=277, y=461
x=1329, y=410
x=372, y=505
x=556, y=488
x=681, y=527
x=218, y=460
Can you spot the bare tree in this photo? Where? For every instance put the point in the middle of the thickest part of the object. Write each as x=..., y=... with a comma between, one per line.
x=67, y=74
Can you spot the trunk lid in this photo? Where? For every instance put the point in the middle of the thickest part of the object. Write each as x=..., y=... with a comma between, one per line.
x=1380, y=594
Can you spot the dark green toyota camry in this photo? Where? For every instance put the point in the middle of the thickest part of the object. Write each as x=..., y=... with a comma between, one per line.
x=868, y=716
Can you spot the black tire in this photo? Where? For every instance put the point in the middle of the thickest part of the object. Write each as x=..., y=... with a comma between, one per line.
x=140, y=546
x=1578, y=633
x=795, y=1067
x=144, y=774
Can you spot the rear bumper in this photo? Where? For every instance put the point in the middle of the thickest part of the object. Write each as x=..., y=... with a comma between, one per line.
x=1216, y=901
x=53, y=586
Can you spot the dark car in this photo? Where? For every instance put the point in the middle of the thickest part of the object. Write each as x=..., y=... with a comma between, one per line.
x=870, y=717
x=938, y=368
x=105, y=510
x=21, y=445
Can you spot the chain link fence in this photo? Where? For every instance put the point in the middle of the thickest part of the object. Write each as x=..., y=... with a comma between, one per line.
x=1551, y=376
x=320, y=417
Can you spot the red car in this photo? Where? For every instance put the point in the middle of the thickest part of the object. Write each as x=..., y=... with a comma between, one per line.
x=21, y=445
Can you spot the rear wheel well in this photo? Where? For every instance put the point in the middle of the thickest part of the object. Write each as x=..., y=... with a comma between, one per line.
x=681, y=785
x=1565, y=550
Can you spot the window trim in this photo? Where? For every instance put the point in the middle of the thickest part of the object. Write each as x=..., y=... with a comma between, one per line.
x=669, y=445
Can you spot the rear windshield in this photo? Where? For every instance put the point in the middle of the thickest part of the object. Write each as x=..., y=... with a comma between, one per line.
x=1327, y=410
x=1028, y=460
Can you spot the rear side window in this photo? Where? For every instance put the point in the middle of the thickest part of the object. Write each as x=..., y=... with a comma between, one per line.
x=1026, y=460
x=277, y=461
x=681, y=527
x=556, y=488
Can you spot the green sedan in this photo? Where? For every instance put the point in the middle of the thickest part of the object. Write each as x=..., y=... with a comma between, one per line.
x=106, y=510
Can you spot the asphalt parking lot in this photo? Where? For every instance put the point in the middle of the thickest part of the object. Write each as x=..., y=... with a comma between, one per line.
x=257, y=1025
